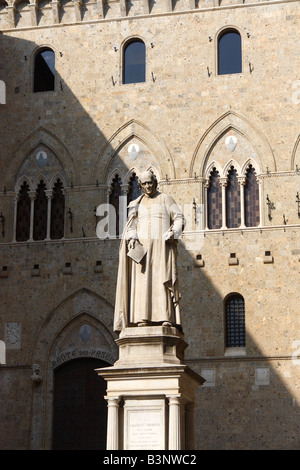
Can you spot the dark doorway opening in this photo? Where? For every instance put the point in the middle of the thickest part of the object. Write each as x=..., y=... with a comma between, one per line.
x=80, y=410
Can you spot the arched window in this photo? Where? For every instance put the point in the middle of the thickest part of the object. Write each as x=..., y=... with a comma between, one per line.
x=134, y=189
x=23, y=214
x=57, y=211
x=233, y=200
x=134, y=62
x=40, y=213
x=114, y=199
x=214, y=201
x=235, y=330
x=229, y=52
x=251, y=199
x=44, y=70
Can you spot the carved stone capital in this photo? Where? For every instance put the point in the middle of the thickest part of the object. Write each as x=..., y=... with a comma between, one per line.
x=32, y=195
x=223, y=181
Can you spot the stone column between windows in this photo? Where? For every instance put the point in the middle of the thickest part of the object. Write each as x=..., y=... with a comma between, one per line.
x=17, y=197
x=123, y=207
x=175, y=431
x=49, y=195
x=242, y=182
x=223, y=183
x=32, y=195
x=112, y=423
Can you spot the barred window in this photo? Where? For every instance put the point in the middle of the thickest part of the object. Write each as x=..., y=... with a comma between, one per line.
x=214, y=201
x=23, y=214
x=235, y=321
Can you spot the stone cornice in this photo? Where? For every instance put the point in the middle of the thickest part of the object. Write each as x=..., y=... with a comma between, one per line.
x=123, y=16
x=205, y=233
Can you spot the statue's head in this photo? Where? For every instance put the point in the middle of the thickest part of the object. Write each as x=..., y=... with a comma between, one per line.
x=148, y=183
x=146, y=176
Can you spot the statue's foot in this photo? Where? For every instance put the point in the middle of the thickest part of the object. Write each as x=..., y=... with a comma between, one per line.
x=167, y=323
x=143, y=323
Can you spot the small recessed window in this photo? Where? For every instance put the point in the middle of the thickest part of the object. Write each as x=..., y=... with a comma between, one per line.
x=44, y=70
x=134, y=62
x=235, y=330
x=229, y=52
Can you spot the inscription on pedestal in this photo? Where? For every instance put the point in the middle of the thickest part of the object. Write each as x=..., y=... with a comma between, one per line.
x=144, y=430
x=145, y=427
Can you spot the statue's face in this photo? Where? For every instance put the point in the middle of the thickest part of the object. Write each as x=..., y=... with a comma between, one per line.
x=148, y=187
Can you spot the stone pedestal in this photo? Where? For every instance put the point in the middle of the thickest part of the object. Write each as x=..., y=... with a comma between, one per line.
x=150, y=392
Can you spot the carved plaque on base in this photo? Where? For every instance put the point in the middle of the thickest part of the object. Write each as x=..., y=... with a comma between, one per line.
x=144, y=425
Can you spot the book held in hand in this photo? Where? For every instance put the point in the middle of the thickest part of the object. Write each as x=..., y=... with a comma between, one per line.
x=137, y=253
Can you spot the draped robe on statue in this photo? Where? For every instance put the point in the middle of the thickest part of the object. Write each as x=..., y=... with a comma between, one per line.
x=148, y=291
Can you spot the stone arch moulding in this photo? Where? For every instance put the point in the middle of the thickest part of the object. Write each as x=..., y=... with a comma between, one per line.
x=229, y=164
x=59, y=341
x=121, y=137
x=21, y=181
x=129, y=174
x=210, y=168
x=56, y=177
x=247, y=164
x=296, y=155
x=224, y=123
x=47, y=138
x=113, y=174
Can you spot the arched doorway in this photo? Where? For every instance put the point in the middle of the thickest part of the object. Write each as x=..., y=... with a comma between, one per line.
x=80, y=410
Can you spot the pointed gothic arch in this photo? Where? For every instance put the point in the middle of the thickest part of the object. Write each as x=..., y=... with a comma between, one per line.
x=229, y=164
x=247, y=164
x=210, y=168
x=231, y=121
x=45, y=138
x=20, y=182
x=295, y=160
x=134, y=129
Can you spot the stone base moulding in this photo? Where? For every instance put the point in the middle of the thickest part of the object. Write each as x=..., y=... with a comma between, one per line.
x=151, y=404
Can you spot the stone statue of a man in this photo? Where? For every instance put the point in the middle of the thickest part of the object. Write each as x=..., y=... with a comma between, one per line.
x=147, y=285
